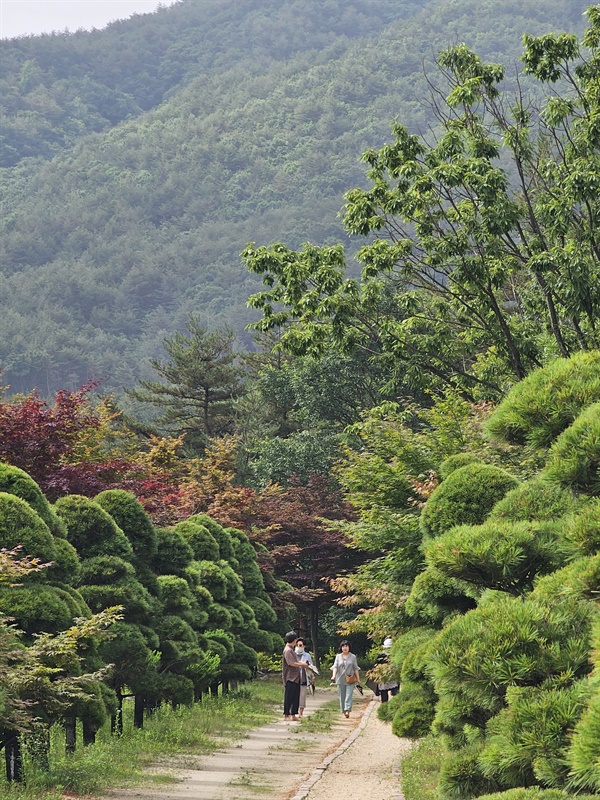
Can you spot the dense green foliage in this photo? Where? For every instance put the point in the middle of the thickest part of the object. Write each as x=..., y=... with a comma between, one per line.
x=146, y=155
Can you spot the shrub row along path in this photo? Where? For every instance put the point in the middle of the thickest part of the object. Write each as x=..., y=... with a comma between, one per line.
x=356, y=758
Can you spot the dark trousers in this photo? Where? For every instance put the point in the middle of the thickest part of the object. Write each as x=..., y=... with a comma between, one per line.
x=291, y=698
x=384, y=693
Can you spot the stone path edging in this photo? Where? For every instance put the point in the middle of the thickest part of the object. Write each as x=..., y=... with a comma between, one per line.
x=317, y=773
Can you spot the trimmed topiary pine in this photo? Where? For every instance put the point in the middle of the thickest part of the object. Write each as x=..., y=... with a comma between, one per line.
x=461, y=777
x=15, y=481
x=500, y=555
x=21, y=526
x=456, y=462
x=584, y=752
x=574, y=461
x=434, y=598
x=203, y=543
x=502, y=643
x=129, y=514
x=174, y=555
x=213, y=578
x=526, y=741
x=249, y=571
x=90, y=529
x=536, y=499
x=466, y=497
x=579, y=580
x=221, y=536
x=414, y=710
x=66, y=566
x=545, y=403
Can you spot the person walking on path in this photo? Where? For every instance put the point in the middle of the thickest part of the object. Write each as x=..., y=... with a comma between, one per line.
x=290, y=676
x=345, y=675
x=307, y=679
x=390, y=684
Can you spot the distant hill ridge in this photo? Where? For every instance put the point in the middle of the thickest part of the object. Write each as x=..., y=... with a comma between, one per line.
x=139, y=160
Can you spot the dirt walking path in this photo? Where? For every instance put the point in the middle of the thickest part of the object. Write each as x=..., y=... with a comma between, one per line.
x=356, y=758
x=366, y=766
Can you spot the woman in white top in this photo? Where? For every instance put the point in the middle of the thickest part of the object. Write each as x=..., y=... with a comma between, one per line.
x=345, y=667
x=306, y=675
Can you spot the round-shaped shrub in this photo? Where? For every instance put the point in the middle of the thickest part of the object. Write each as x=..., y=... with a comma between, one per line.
x=575, y=456
x=241, y=664
x=223, y=539
x=224, y=638
x=466, y=497
x=219, y=617
x=456, y=462
x=90, y=529
x=541, y=406
x=175, y=594
x=257, y=639
x=580, y=580
x=214, y=579
x=415, y=710
x=509, y=642
x=386, y=711
x=461, y=775
x=21, y=526
x=249, y=571
x=135, y=599
x=106, y=570
x=536, y=499
x=176, y=689
x=15, y=481
x=130, y=516
x=235, y=590
x=202, y=597
x=203, y=543
x=173, y=554
x=39, y=608
x=178, y=641
x=263, y=611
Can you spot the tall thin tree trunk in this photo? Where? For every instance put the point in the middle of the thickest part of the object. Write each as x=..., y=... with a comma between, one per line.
x=70, y=734
x=314, y=631
x=116, y=721
x=13, y=757
x=139, y=706
x=214, y=689
x=89, y=733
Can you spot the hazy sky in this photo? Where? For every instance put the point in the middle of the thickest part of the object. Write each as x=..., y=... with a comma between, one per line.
x=42, y=16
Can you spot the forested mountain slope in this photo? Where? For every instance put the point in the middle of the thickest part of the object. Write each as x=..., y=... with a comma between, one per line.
x=140, y=159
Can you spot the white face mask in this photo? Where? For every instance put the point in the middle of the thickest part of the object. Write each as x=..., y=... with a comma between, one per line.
x=299, y=651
